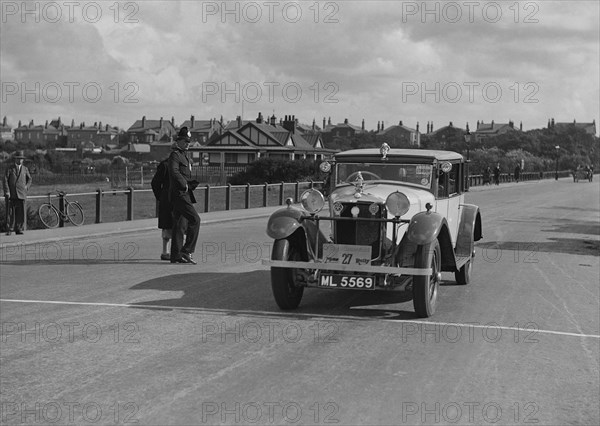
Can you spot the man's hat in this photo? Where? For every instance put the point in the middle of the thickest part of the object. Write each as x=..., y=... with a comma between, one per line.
x=19, y=154
x=184, y=133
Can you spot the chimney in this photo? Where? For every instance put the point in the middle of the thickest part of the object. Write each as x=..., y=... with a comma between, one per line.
x=329, y=121
x=106, y=128
x=324, y=123
x=417, y=127
x=273, y=120
x=400, y=123
x=382, y=126
x=450, y=124
x=172, y=121
x=192, y=120
x=548, y=123
x=19, y=123
x=143, y=121
x=46, y=125
x=467, y=128
x=160, y=123
x=511, y=124
x=290, y=123
x=553, y=122
x=314, y=126
x=99, y=125
x=345, y=121
x=259, y=119
x=59, y=122
x=239, y=121
x=492, y=124
x=73, y=123
x=378, y=127
x=521, y=126
x=363, y=125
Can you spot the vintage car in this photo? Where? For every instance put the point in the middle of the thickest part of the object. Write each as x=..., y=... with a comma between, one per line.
x=396, y=219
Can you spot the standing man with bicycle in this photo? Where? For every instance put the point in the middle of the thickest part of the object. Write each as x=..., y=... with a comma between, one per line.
x=15, y=184
x=186, y=220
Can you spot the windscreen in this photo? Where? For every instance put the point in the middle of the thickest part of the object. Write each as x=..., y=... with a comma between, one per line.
x=417, y=174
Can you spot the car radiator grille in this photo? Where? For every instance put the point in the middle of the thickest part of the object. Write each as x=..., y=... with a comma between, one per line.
x=359, y=233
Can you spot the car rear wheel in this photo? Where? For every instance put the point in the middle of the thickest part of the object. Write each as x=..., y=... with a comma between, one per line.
x=425, y=288
x=285, y=291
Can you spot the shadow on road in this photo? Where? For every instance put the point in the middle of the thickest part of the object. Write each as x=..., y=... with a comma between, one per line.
x=250, y=293
x=555, y=245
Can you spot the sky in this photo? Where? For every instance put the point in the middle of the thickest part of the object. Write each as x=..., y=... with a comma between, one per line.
x=377, y=61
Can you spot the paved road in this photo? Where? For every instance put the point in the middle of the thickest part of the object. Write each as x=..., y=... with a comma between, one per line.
x=97, y=330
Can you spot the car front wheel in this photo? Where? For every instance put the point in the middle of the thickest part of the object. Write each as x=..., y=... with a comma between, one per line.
x=285, y=291
x=425, y=288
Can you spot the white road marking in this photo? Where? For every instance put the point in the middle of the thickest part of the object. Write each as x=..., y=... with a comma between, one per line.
x=300, y=314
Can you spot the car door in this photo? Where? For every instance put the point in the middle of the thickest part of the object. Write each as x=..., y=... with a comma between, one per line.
x=455, y=200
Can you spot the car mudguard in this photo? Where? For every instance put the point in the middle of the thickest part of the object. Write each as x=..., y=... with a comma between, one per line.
x=424, y=227
x=284, y=222
x=469, y=230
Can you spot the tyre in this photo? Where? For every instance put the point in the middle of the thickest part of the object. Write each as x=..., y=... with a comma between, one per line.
x=48, y=215
x=285, y=291
x=463, y=275
x=75, y=214
x=425, y=288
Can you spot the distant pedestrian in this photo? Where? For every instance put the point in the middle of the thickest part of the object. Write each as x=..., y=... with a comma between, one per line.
x=15, y=184
x=517, y=172
x=160, y=188
x=487, y=176
x=186, y=220
x=497, y=174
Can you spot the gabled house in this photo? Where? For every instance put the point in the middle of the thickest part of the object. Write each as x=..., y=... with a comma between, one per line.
x=148, y=131
x=203, y=130
x=485, y=130
x=445, y=136
x=589, y=128
x=251, y=140
x=399, y=135
x=42, y=134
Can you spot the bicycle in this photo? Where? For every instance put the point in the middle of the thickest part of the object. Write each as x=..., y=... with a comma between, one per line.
x=50, y=215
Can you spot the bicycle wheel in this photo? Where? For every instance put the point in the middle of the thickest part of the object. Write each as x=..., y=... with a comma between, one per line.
x=75, y=213
x=48, y=215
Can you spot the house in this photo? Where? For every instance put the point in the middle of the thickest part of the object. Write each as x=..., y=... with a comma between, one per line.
x=54, y=132
x=148, y=131
x=399, y=135
x=248, y=141
x=589, y=128
x=485, y=130
x=343, y=130
x=97, y=134
x=203, y=130
x=445, y=137
x=6, y=132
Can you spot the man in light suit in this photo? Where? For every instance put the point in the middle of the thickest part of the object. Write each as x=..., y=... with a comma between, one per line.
x=15, y=184
x=186, y=220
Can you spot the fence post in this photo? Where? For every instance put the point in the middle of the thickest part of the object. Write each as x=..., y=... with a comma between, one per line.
x=297, y=192
x=130, y=203
x=207, y=199
x=98, y=205
x=228, y=197
x=265, y=194
x=281, y=198
x=61, y=208
x=247, y=195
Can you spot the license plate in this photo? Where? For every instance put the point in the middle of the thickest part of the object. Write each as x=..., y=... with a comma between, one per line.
x=355, y=282
x=347, y=254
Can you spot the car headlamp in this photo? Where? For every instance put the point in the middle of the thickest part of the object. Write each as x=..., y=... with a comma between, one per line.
x=312, y=201
x=325, y=166
x=397, y=204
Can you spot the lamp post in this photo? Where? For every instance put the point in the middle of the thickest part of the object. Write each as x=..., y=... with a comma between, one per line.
x=556, y=172
x=468, y=142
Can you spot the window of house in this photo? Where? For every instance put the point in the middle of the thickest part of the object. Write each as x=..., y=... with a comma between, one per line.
x=231, y=158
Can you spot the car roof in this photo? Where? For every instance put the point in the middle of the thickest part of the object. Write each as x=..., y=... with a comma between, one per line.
x=396, y=154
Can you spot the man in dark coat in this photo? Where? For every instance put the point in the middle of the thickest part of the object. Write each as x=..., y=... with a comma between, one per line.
x=186, y=220
x=497, y=174
x=160, y=188
x=15, y=184
x=517, y=172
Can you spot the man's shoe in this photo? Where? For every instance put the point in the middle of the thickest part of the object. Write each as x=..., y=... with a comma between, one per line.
x=188, y=258
x=180, y=260
x=19, y=232
x=165, y=257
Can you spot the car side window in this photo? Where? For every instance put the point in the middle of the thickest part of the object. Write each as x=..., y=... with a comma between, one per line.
x=442, y=184
x=453, y=179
